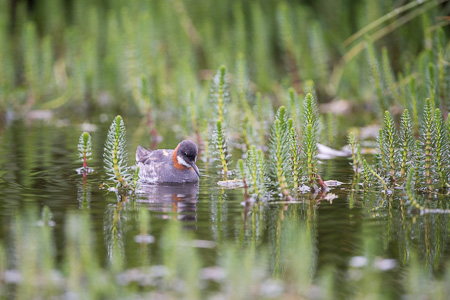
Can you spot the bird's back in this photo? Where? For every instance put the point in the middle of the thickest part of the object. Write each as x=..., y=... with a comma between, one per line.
x=156, y=166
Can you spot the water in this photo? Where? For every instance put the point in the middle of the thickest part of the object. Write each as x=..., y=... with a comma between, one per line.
x=38, y=164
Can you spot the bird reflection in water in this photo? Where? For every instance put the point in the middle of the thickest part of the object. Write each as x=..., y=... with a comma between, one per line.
x=171, y=201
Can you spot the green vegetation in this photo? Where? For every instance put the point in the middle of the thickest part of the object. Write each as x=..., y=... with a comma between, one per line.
x=247, y=78
x=115, y=157
x=85, y=148
x=32, y=269
x=400, y=152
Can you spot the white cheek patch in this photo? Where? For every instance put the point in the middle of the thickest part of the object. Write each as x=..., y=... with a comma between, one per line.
x=182, y=162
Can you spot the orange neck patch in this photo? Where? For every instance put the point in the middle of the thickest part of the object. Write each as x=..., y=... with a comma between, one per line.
x=175, y=160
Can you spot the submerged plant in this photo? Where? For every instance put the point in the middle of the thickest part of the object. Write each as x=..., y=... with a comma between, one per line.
x=115, y=156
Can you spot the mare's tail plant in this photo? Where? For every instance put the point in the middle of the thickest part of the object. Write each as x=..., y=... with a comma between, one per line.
x=85, y=150
x=243, y=175
x=294, y=150
x=309, y=149
x=255, y=166
x=220, y=144
x=280, y=152
x=376, y=74
x=115, y=156
x=409, y=189
x=407, y=144
x=428, y=156
x=369, y=174
x=220, y=93
x=389, y=145
x=442, y=149
x=261, y=166
x=352, y=143
x=413, y=100
x=427, y=143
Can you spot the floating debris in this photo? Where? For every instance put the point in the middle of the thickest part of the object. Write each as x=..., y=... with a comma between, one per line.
x=84, y=170
x=232, y=184
x=358, y=261
x=330, y=197
x=384, y=264
x=326, y=152
x=331, y=183
x=304, y=189
x=213, y=273
x=144, y=239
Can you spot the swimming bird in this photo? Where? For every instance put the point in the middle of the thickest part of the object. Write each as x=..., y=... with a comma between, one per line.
x=168, y=166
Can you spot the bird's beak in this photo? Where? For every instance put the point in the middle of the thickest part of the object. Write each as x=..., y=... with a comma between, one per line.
x=195, y=169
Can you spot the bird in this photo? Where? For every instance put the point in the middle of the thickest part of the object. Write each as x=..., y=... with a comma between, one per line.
x=168, y=166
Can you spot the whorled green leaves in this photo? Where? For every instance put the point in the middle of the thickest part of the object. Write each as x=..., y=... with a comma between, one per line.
x=115, y=156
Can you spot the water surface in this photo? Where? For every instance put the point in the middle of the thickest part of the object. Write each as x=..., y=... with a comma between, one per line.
x=38, y=163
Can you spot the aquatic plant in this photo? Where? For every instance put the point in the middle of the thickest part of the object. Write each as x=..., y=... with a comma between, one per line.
x=369, y=171
x=389, y=145
x=407, y=144
x=254, y=166
x=115, y=156
x=295, y=105
x=85, y=148
x=410, y=190
x=376, y=75
x=243, y=172
x=280, y=163
x=309, y=142
x=427, y=145
x=428, y=154
x=390, y=80
x=30, y=265
x=442, y=149
x=220, y=94
x=294, y=149
x=353, y=145
x=221, y=148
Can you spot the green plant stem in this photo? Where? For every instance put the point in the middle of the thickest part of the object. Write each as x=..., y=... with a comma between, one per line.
x=369, y=168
